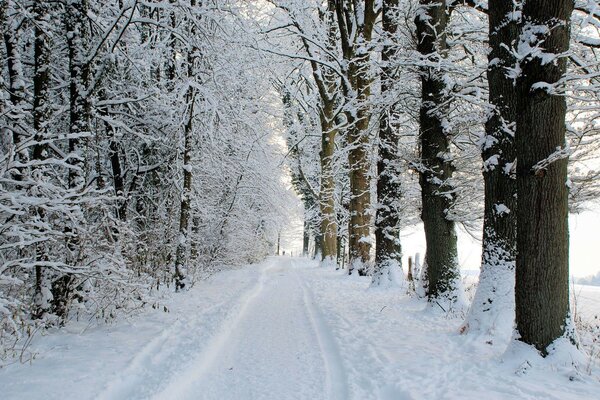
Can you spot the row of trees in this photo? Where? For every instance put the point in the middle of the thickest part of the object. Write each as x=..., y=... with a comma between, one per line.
x=131, y=148
x=141, y=138
x=406, y=102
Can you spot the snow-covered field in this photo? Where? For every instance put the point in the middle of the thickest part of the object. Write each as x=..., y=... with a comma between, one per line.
x=286, y=329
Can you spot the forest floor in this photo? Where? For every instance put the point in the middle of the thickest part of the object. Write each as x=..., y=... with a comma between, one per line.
x=287, y=329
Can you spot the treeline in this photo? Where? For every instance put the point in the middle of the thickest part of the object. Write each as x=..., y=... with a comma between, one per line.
x=132, y=155
x=457, y=112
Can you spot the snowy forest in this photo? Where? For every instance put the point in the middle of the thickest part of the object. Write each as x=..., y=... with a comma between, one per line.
x=154, y=152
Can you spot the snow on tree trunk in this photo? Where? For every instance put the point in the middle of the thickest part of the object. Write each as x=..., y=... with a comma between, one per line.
x=542, y=263
x=388, y=250
x=356, y=29
x=327, y=200
x=436, y=169
x=41, y=113
x=492, y=309
x=17, y=87
x=186, y=195
x=79, y=129
x=184, y=211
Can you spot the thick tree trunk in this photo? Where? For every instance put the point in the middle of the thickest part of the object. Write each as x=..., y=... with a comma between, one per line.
x=327, y=200
x=436, y=192
x=359, y=240
x=388, y=251
x=357, y=55
x=492, y=308
x=542, y=268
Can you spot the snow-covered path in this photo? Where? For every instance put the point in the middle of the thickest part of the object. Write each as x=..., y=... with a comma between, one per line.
x=269, y=346
x=286, y=329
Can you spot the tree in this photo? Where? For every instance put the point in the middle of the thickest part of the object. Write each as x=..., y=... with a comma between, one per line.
x=41, y=117
x=184, y=208
x=388, y=250
x=437, y=193
x=327, y=86
x=356, y=21
x=102, y=125
x=542, y=269
x=16, y=85
x=493, y=301
x=319, y=39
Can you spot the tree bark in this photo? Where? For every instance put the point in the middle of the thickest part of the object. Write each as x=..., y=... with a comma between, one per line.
x=542, y=268
x=186, y=196
x=17, y=87
x=41, y=114
x=326, y=83
x=493, y=301
x=79, y=128
x=318, y=239
x=356, y=28
x=436, y=192
x=79, y=104
x=329, y=226
x=388, y=250
x=305, y=236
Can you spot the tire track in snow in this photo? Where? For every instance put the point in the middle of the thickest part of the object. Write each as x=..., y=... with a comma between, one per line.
x=139, y=373
x=128, y=379
x=180, y=384
x=367, y=364
x=336, y=379
x=161, y=358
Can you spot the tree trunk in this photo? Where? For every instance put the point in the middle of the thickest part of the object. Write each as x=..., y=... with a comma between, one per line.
x=41, y=114
x=318, y=238
x=357, y=55
x=436, y=192
x=327, y=200
x=16, y=85
x=79, y=127
x=305, y=236
x=388, y=251
x=79, y=104
x=542, y=268
x=117, y=172
x=186, y=196
x=492, y=307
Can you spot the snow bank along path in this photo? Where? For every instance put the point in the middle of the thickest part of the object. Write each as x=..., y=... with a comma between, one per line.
x=286, y=329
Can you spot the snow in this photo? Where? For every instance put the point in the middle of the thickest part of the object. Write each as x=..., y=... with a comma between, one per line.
x=501, y=209
x=289, y=329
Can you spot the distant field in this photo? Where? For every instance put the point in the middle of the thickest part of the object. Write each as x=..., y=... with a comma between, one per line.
x=587, y=301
